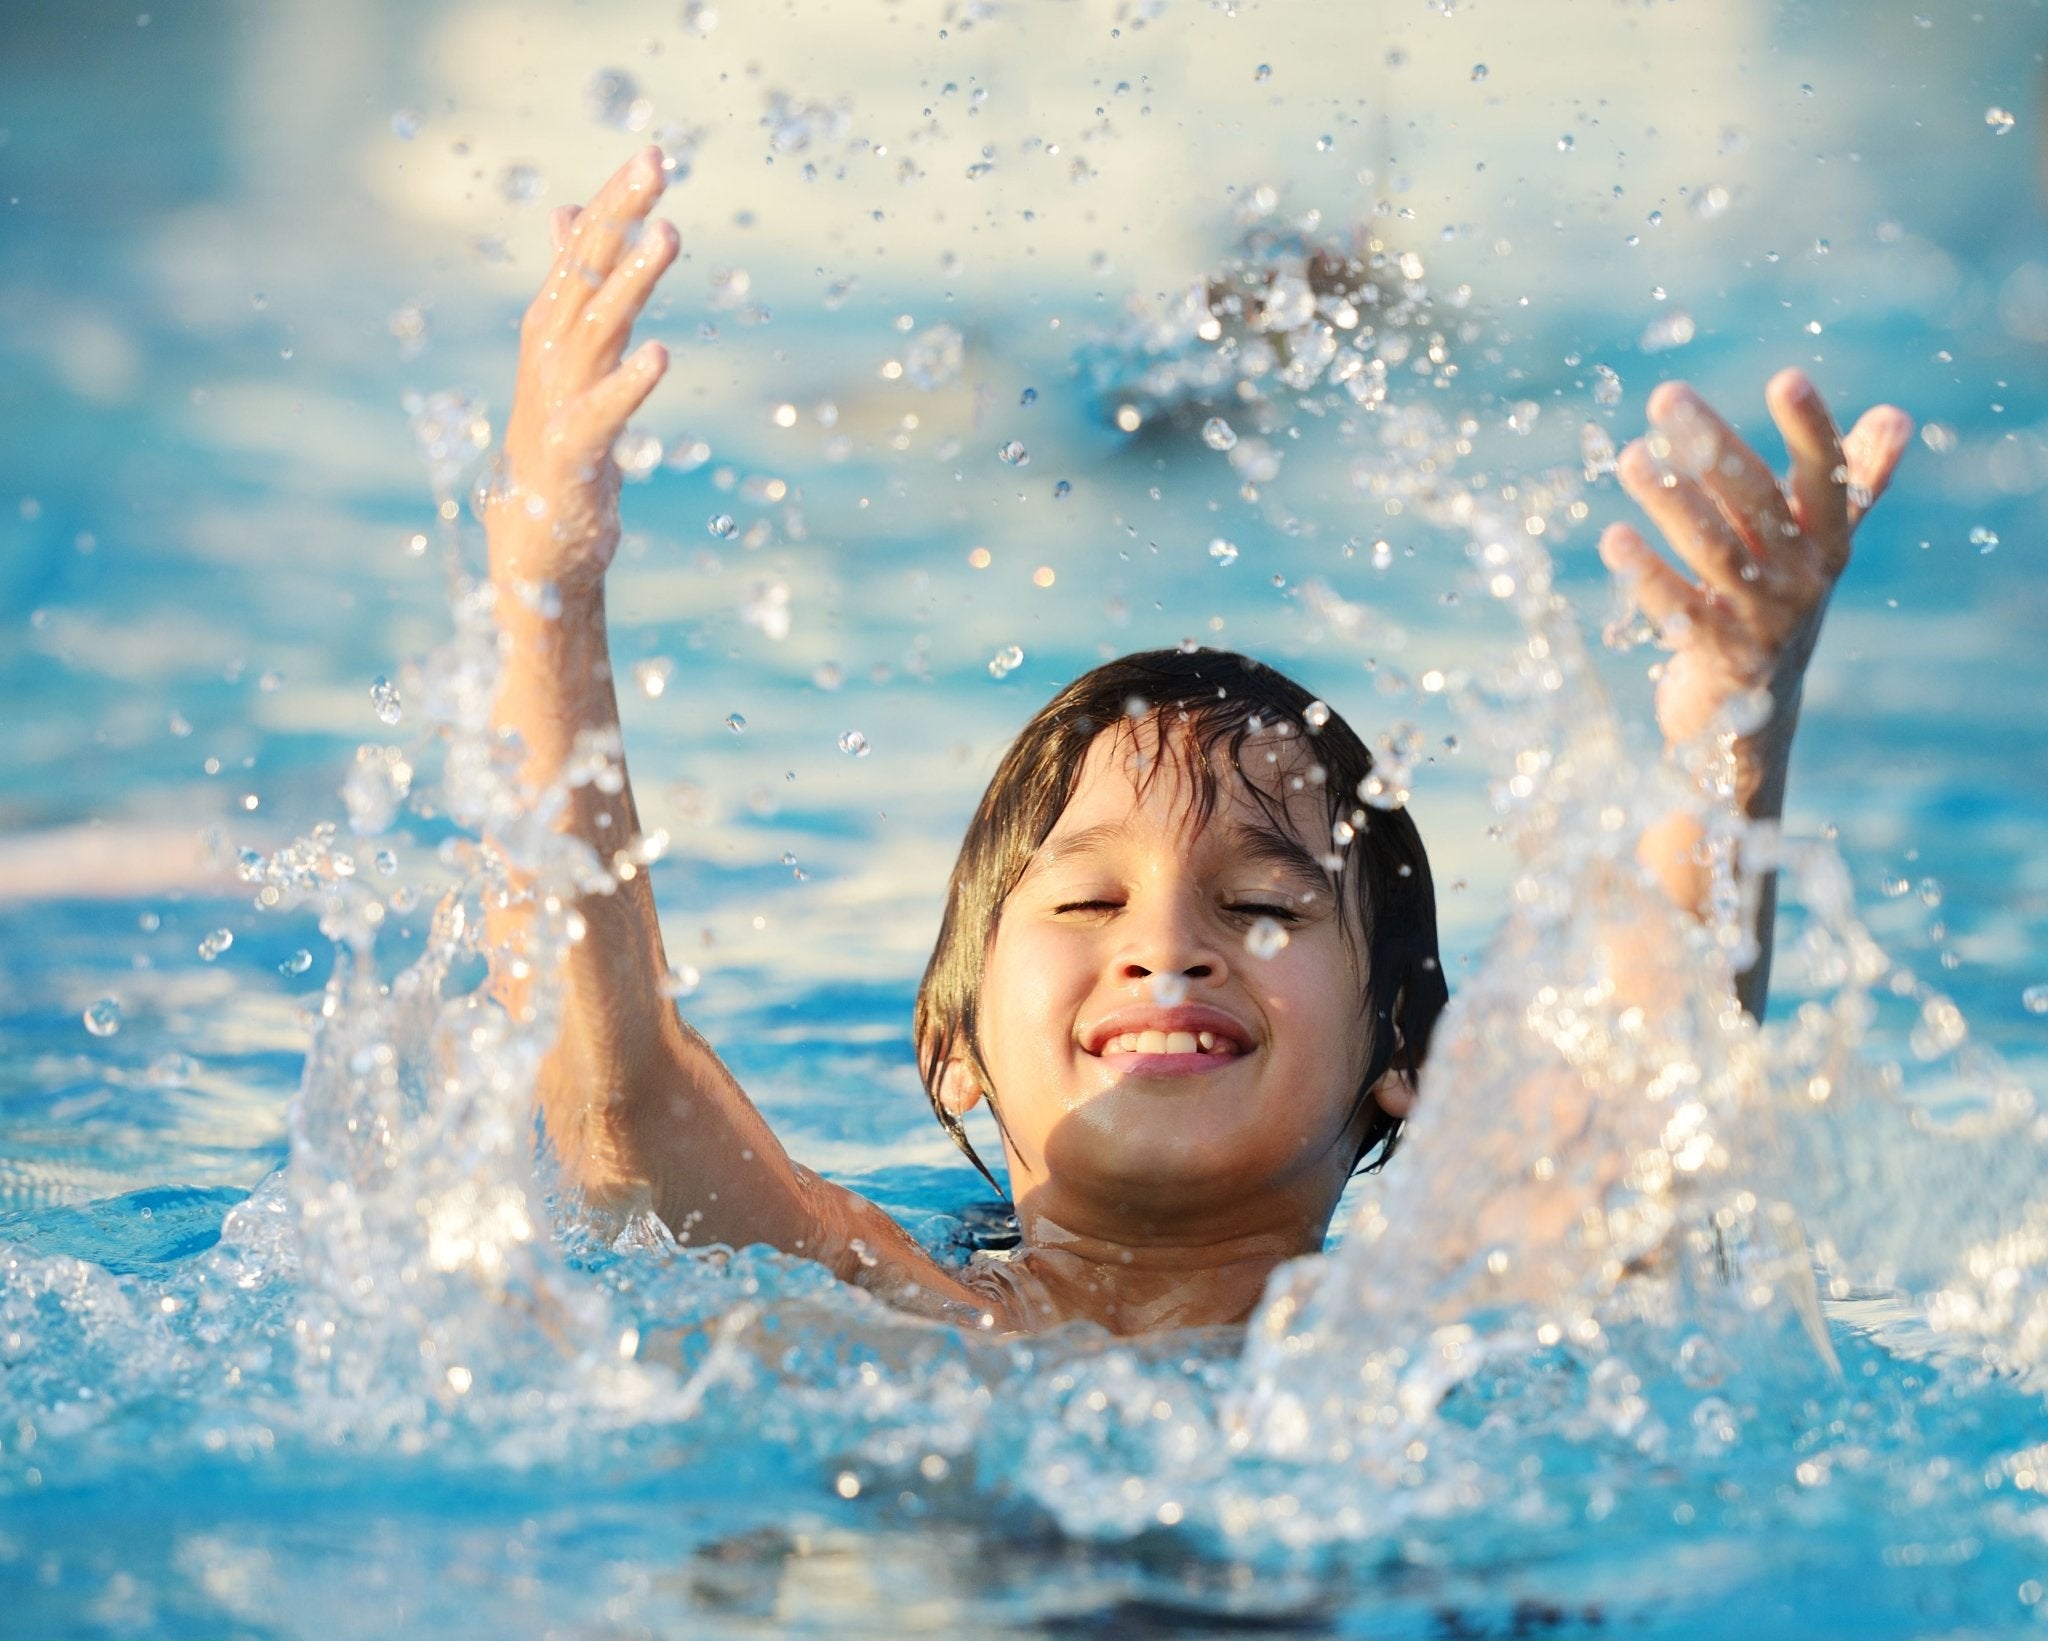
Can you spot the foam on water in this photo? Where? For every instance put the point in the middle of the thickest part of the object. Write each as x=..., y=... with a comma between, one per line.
x=1585, y=1290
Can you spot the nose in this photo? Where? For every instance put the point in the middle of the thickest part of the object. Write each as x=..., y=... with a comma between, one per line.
x=1169, y=935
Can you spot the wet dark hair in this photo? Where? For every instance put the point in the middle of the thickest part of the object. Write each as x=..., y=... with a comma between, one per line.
x=1212, y=703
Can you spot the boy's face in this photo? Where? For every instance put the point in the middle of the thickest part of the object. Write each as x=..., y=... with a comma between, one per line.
x=1156, y=1074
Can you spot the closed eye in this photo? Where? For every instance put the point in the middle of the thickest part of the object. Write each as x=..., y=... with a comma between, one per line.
x=1258, y=908
x=1086, y=906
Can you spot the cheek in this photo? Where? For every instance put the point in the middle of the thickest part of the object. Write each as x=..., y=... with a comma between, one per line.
x=1021, y=995
x=1317, y=992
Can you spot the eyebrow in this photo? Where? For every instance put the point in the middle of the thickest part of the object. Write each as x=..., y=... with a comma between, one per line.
x=1088, y=841
x=1251, y=843
x=1258, y=843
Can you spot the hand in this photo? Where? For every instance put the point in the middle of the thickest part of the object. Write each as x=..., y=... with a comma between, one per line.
x=1765, y=558
x=554, y=516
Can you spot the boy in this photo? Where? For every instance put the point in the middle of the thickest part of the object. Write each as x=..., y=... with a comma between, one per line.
x=1191, y=1029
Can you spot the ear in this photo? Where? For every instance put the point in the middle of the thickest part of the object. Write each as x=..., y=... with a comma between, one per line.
x=1394, y=1094
x=959, y=1088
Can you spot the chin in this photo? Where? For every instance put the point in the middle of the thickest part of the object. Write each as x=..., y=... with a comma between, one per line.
x=1134, y=1146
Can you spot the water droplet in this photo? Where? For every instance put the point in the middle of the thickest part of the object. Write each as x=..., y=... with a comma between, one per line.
x=721, y=525
x=1013, y=454
x=1265, y=938
x=522, y=184
x=1940, y=1028
x=1263, y=72
x=854, y=744
x=609, y=95
x=2035, y=999
x=1893, y=887
x=1999, y=119
x=102, y=1017
x=1668, y=330
x=379, y=780
x=218, y=941
x=1984, y=539
x=384, y=698
x=1325, y=144
x=1168, y=990
x=172, y=1070
x=736, y=722
x=651, y=677
x=1479, y=71
x=1006, y=661
x=789, y=857
x=405, y=124
x=298, y=963
x=934, y=358
x=1715, y=1425
x=1315, y=714
x=1218, y=434
x=637, y=453
x=1028, y=397
x=1566, y=143
x=1606, y=385
x=1223, y=552
x=828, y=675
x=1062, y=490
x=767, y=609
x=385, y=861
x=680, y=981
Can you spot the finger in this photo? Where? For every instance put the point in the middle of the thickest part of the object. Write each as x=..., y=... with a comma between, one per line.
x=602, y=413
x=1740, y=481
x=1692, y=522
x=602, y=231
x=597, y=239
x=1660, y=592
x=609, y=318
x=1820, y=488
x=560, y=220
x=1872, y=451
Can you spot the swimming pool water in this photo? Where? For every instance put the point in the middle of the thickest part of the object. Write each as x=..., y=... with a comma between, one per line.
x=228, y=236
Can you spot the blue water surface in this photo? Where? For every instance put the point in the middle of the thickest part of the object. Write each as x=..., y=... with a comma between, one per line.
x=216, y=534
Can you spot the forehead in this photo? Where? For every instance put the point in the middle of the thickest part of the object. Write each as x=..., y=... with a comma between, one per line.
x=1158, y=775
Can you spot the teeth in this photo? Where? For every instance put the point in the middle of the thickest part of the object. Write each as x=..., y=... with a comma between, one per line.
x=1167, y=1042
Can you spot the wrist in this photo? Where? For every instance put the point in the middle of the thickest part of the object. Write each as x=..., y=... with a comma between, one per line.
x=545, y=536
x=1763, y=760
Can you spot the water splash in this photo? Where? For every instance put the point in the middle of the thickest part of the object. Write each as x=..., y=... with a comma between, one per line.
x=1585, y=1290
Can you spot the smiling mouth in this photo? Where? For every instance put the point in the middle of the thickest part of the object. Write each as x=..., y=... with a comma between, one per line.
x=1205, y=1044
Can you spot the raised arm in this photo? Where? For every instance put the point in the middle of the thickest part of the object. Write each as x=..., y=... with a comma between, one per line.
x=1763, y=561
x=641, y=1112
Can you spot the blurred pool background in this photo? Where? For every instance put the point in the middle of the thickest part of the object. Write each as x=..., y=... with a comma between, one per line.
x=236, y=237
